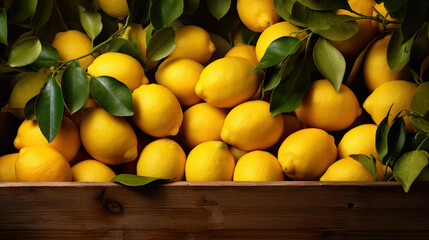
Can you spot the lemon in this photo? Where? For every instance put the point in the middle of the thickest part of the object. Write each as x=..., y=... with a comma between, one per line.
x=359, y=140
x=273, y=32
x=180, y=75
x=376, y=71
x=123, y=67
x=258, y=166
x=162, y=158
x=157, y=111
x=307, y=153
x=109, y=139
x=42, y=164
x=244, y=51
x=67, y=142
x=201, y=123
x=350, y=48
x=210, y=161
x=323, y=107
x=382, y=10
x=7, y=167
x=193, y=42
x=348, y=169
x=91, y=170
x=399, y=93
x=114, y=8
x=237, y=153
x=250, y=126
x=73, y=44
x=140, y=34
x=257, y=15
x=228, y=82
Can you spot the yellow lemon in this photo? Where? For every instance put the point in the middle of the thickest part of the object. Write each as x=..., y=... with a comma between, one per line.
x=350, y=48
x=250, y=126
x=140, y=34
x=7, y=167
x=291, y=124
x=348, y=169
x=114, y=8
x=307, y=153
x=376, y=71
x=382, y=10
x=359, y=140
x=157, y=111
x=228, y=82
x=273, y=32
x=91, y=170
x=193, y=42
x=210, y=161
x=201, y=123
x=323, y=107
x=257, y=15
x=109, y=139
x=244, y=51
x=42, y=164
x=67, y=142
x=162, y=158
x=123, y=67
x=180, y=75
x=237, y=153
x=258, y=166
x=399, y=93
x=73, y=44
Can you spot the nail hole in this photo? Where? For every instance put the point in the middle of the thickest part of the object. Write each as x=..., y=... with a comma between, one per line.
x=351, y=205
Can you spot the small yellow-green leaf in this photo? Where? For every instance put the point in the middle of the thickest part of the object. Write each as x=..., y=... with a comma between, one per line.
x=409, y=166
x=398, y=53
x=368, y=163
x=90, y=21
x=420, y=102
x=24, y=52
x=3, y=26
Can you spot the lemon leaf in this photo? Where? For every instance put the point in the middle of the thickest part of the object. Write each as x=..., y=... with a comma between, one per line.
x=161, y=44
x=249, y=37
x=381, y=137
x=395, y=8
x=21, y=10
x=420, y=124
x=163, y=12
x=132, y=180
x=42, y=14
x=277, y=51
x=415, y=13
x=326, y=5
x=48, y=57
x=75, y=87
x=398, y=54
x=30, y=108
x=330, y=62
x=368, y=163
x=271, y=78
x=3, y=26
x=49, y=109
x=191, y=6
x=112, y=95
x=139, y=11
x=124, y=46
x=396, y=139
x=409, y=166
x=90, y=21
x=420, y=102
x=24, y=52
x=218, y=8
x=284, y=9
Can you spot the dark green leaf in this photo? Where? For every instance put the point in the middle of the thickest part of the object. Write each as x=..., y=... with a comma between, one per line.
x=249, y=37
x=49, y=109
x=123, y=46
x=75, y=87
x=3, y=26
x=163, y=12
x=420, y=102
x=21, y=10
x=368, y=163
x=330, y=62
x=287, y=96
x=90, y=21
x=271, y=78
x=396, y=8
x=409, y=166
x=132, y=180
x=396, y=139
x=415, y=13
x=218, y=8
x=161, y=44
x=381, y=137
x=139, y=10
x=112, y=95
x=420, y=124
x=284, y=9
x=326, y=5
x=191, y=6
x=42, y=14
x=30, y=108
x=398, y=54
x=24, y=52
x=277, y=51
x=416, y=141
x=48, y=57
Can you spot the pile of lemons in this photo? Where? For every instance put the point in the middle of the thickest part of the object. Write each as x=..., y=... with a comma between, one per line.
x=201, y=119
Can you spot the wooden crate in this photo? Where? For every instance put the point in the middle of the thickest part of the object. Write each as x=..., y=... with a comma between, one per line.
x=214, y=210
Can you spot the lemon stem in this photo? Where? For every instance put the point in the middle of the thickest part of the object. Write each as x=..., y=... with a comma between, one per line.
x=421, y=144
x=60, y=16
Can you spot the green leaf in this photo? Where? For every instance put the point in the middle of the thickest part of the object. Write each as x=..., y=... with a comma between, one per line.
x=368, y=163
x=396, y=8
x=271, y=78
x=90, y=21
x=30, y=108
x=139, y=11
x=218, y=8
x=123, y=46
x=398, y=54
x=42, y=14
x=21, y=10
x=49, y=109
x=24, y=52
x=161, y=44
x=75, y=87
x=149, y=33
x=287, y=96
x=420, y=124
x=277, y=51
x=249, y=37
x=381, y=137
x=191, y=6
x=284, y=9
x=48, y=57
x=163, y=12
x=396, y=139
x=330, y=62
x=415, y=13
x=3, y=26
x=409, y=166
x=420, y=102
x=112, y=95
x=132, y=180
x=326, y=5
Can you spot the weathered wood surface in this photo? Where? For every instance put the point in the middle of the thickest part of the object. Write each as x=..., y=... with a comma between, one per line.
x=215, y=210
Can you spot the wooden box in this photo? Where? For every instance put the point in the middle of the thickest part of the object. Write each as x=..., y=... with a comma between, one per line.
x=214, y=210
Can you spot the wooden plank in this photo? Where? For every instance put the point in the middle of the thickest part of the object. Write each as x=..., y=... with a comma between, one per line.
x=63, y=235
